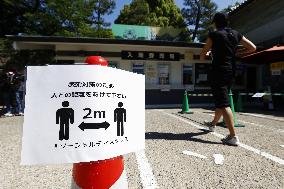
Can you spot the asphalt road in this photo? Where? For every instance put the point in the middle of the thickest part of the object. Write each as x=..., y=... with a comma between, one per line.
x=257, y=163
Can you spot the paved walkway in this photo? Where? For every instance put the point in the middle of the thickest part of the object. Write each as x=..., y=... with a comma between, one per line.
x=179, y=154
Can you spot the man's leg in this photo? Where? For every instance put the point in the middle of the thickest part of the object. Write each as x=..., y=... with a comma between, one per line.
x=218, y=114
x=21, y=102
x=7, y=103
x=229, y=120
x=231, y=139
x=118, y=128
x=122, y=129
x=61, y=132
x=66, y=133
x=18, y=103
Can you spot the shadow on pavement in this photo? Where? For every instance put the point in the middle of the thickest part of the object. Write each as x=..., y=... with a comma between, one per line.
x=179, y=136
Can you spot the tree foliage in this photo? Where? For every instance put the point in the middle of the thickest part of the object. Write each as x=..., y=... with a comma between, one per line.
x=12, y=15
x=101, y=8
x=80, y=18
x=18, y=59
x=161, y=13
x=198, y=15
x=70, y=18
x=56, y=17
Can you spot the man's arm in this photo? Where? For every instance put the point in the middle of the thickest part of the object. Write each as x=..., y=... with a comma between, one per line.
x=249, y=47
x=206, y=49
x=57, y=117
x=124, y=111
x=115, y=114
x=72, y=116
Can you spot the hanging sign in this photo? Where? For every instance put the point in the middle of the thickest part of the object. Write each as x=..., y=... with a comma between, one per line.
x=82, y=113
x=143, y=55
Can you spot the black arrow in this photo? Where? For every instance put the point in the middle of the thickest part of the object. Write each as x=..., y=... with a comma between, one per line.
x=84, y=125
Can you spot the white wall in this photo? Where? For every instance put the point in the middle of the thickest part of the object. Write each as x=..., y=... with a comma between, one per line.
x=176, y=73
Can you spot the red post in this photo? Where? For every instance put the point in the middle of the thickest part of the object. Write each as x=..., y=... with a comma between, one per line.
x=98, y=174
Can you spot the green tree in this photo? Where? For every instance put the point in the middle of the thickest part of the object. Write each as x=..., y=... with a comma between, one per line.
x=56, y=17
x=12, y=19
x=134, y=14
x=162, y=13
x=81, y=18
x=69, y=18
x=19, y=59
x=198, y=15
x=101, y=8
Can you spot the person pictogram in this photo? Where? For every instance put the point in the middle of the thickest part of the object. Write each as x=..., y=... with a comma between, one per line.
x=120, y=118
x=64, y=116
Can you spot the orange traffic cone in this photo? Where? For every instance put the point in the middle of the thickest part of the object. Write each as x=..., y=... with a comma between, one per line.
x=102, y=174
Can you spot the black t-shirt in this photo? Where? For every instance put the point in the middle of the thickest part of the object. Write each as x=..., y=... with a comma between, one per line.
x=225, y=42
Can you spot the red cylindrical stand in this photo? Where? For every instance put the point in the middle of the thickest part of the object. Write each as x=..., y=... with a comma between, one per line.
x=99, y=174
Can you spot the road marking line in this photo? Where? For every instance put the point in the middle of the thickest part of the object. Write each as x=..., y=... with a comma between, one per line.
x=262, y=116
x=186, y=152
x=146, y=174
x=249, y=148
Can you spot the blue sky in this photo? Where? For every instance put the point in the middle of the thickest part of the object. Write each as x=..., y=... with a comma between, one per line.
x=120, y=3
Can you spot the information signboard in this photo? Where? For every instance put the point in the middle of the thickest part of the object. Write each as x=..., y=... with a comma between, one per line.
x=81, y=113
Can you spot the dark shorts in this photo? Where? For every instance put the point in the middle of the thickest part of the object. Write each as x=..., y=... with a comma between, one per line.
x=221, y=98
x=221, y=83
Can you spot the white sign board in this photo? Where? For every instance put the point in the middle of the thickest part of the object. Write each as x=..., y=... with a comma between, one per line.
x=258, y=95
x=82, y=113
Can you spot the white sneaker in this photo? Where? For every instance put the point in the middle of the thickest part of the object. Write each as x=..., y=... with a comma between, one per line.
x=234, y=141
x=210, y=126
x=8, y=114
x=21, y=114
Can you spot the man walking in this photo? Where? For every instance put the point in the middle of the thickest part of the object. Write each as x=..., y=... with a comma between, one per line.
x=223, y=44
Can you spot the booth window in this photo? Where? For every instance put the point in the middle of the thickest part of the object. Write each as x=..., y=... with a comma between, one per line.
x=187, y=74
x=201, y=74
x=164, y=76
x=138, y=68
